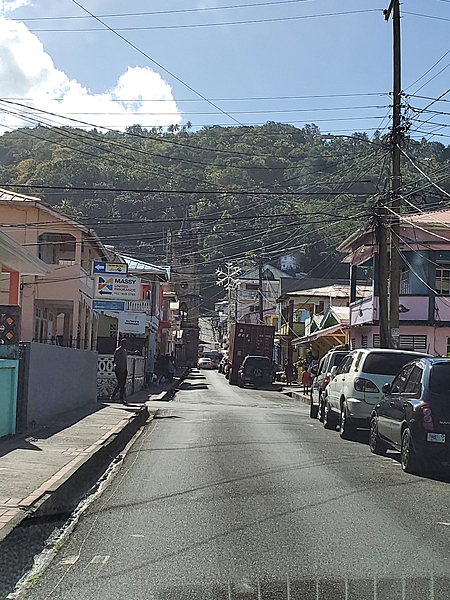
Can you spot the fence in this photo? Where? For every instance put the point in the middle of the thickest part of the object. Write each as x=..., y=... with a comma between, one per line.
x=54, y=380
x=106, y=378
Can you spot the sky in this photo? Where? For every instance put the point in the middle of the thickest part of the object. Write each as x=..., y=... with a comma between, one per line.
x=222, y=62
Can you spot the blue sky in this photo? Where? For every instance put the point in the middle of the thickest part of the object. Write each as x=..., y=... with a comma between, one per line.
x=266, y=69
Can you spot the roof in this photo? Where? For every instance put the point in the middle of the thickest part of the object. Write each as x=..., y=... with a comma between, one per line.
x=254, y=273
x=8, y=197
x=143, y=268
x=437, y=217
x=331, y=291
x=14, y=256
x=318, y=334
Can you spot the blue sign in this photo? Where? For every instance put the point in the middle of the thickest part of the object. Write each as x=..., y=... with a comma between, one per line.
x=114, y=305
x=104, y=268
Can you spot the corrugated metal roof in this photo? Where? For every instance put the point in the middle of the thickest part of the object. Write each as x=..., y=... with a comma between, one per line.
x=437, y=217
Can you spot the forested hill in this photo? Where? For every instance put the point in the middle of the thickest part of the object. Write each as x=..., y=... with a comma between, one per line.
x=273, y=187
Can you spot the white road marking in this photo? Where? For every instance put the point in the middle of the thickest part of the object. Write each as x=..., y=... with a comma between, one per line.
x=69, y=560
x=99, y=560
x=137, y=535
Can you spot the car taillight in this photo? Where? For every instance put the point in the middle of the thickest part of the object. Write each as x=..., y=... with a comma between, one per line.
x=365, y=385
x=427, y=417
x=326, y=381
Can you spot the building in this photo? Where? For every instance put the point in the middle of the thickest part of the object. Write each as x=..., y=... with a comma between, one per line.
x=424, y=314
x=57, y=306
x=185, y=247
x=313, y=319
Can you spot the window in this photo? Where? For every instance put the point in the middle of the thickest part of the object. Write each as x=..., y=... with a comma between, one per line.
x=353, y=343
x=415, y=343
x=404, y=282
x=398, y=385
x=440, y=385
x=442, y=285
x=364, y=341
x=386, y=363
x=345, y=365
x=413, y=385
x=252, y=286
x=57, y=248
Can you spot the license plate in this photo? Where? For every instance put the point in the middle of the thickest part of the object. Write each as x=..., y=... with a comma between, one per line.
x=436, y=437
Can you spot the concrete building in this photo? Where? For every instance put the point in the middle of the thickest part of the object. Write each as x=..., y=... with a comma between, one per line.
x=57, y=306
x=424, y=314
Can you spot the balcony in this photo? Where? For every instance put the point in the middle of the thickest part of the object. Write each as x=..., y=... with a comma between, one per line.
x=297, y=330
x=413, y=308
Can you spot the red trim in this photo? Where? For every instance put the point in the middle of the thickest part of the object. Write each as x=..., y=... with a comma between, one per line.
x=13, y=286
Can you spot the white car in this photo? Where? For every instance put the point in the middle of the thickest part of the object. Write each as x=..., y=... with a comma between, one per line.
x=355, y=386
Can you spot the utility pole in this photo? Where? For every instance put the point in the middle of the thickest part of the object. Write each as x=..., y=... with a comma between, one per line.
x=260, y=289
x=396, y=141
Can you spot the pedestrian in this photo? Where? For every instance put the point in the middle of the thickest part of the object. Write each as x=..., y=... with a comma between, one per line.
x=171, y=368
x=289, y=372
x=120, y=369
x=306, y=380
x=159, y=368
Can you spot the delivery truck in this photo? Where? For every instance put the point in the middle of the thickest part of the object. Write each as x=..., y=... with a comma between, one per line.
x=248, y=339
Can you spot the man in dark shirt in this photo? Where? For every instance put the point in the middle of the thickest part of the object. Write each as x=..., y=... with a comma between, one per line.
x=120, y=369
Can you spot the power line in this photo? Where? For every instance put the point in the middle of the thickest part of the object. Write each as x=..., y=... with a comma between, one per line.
x=159, y=65
x=198, y=25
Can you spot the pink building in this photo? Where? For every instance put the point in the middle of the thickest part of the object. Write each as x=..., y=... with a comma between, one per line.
x=424, y=284
x=57, y=306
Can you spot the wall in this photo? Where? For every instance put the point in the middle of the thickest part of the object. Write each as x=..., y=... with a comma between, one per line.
x=55, y=380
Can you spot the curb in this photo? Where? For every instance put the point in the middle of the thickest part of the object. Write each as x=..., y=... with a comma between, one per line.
x=301, y=397
x=60, y=494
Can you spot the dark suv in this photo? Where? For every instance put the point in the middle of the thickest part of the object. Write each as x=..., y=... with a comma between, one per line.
x=413, y=415
x=333, y=358
x=257, y=370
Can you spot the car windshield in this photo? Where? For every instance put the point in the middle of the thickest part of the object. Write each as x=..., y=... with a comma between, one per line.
x=256, y=361
x=386, y=363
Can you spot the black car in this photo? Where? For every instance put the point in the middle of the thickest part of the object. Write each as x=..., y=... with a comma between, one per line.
x=256, y=370
x=414, y=415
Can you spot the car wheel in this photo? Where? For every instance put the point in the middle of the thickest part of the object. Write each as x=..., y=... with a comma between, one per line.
x=375, y=444
x=313, y=409
x=409, y=459
x=329, y=419
x=347, y=429
x=321, y=408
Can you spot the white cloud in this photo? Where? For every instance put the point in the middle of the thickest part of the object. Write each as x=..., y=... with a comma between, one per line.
x=28, y=74
x=10, y=5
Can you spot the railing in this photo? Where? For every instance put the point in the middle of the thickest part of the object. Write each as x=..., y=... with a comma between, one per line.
x=106, y=378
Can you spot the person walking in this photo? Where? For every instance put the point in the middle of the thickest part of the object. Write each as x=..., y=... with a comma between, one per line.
x=120, y=369
x=289, y=372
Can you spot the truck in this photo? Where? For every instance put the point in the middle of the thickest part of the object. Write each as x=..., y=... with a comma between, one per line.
x=248, y=339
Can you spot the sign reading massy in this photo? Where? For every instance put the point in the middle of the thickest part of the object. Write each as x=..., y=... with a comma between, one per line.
x=117, y=287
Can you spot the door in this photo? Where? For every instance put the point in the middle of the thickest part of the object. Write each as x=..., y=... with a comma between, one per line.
x=336, y=385
x=8, y=395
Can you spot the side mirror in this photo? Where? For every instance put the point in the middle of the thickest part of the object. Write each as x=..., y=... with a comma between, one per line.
x=333, y=372
x=386, y=389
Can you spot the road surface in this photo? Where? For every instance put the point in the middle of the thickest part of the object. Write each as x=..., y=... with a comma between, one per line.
x=238, y=494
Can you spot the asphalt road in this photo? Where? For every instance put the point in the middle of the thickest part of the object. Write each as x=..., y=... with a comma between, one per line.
x=238, y=494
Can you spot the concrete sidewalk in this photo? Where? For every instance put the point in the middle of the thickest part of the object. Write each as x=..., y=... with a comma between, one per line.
x=47, y=469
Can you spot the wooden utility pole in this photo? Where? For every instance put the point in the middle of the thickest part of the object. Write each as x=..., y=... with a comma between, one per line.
x=260, y=289
x=396, y=141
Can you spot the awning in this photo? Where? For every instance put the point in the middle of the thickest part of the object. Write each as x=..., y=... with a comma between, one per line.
x=306, y=339
x=16, y=257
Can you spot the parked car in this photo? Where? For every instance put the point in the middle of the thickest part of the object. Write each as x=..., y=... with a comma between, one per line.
x=355, y=386
x=333, y=358
x=413, y=415
x=205, y=363
x=222, y=363
x=215, y=357
x=256, y=370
